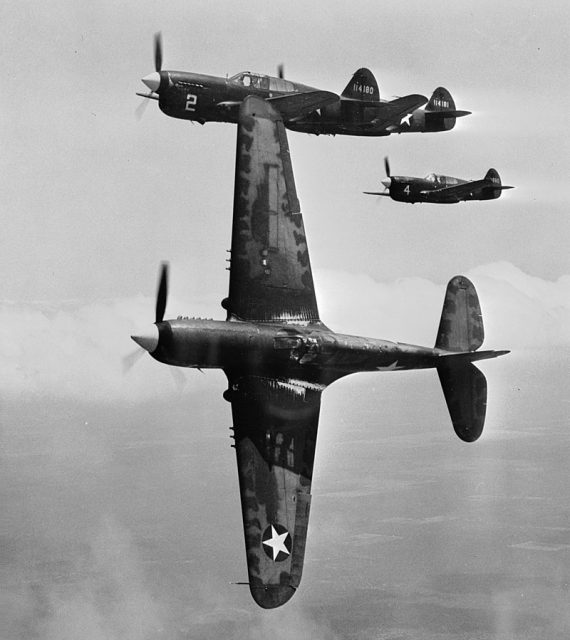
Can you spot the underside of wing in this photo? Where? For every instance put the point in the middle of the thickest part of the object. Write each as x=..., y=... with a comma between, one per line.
x=390, y=114
x=270, y=272
x=296, y=105
x=275, y=429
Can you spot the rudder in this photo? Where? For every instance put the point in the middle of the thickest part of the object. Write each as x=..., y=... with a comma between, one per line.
x=493, y=176
x=362, y=86
x=465, y=391
x=440, y=111
x=440, y=100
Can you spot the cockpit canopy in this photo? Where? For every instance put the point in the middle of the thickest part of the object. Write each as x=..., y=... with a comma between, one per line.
x=442, y=180
x=259, y=81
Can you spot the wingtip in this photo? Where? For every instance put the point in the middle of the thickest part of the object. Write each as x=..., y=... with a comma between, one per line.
x=271, y=596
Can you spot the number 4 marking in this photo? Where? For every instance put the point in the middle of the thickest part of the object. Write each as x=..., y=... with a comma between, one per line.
x=407, y=190
x=191, y=100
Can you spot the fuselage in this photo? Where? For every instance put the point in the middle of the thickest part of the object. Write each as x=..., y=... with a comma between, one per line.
x=312, y=353
x=205, y=98
x=428, y=189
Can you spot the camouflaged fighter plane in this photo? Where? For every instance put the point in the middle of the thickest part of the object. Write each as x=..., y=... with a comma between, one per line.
x=361, y=112
x=204, y=98
x=358, y=111
x=440, y=189
x=279, y=357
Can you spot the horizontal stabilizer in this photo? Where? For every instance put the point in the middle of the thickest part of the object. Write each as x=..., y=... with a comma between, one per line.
x=471, y=356
x=376, y=193
x=450, y=113
x=296, y=105
x=465, y=391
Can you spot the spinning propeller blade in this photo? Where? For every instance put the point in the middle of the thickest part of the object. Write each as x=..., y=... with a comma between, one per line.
x=157, y=51
x=162, y=293
x=387, y=166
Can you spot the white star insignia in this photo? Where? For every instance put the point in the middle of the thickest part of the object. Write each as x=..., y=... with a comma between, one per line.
x=277, y=542
x=390, y=367
x=406, y=120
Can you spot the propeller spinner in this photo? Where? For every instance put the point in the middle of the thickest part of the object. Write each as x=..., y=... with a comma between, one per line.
x=148, y=339
x=152, y=81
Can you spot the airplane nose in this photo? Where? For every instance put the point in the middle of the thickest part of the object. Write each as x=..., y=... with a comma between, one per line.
x=147, y=339
x=152, y=81
x=387, y=182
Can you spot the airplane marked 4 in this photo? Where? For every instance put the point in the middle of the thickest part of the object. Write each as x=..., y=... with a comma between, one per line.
x=440, y=189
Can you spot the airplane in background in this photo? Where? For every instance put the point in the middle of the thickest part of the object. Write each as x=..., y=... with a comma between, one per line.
x=357, y=111
x=279, y=357
x=440, y=189
x=360, y=112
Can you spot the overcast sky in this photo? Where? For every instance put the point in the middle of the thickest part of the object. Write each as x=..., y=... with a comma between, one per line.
x=95, y=198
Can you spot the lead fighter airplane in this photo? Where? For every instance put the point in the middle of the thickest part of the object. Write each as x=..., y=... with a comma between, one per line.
x=279, y=357
x=358, y=111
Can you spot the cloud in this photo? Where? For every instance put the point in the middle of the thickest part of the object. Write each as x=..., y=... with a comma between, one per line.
x=107, y=598
x=75, y=350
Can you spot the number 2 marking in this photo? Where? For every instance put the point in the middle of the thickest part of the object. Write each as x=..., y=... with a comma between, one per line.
x=191, y=100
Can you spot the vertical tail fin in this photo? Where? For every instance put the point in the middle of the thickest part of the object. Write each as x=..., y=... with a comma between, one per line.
x=440, y=111
x=465, y=391
x=461, y=324
x=493, y=176
x=362, y=86
x=463, y=385
x=440, y=100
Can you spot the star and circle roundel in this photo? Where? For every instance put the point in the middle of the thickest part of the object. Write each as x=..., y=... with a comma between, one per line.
x=276, y=542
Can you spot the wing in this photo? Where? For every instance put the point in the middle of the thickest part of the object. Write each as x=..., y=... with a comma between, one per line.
x=296, y=105
x=391, y=114
x=270, y=272
x=275, y=429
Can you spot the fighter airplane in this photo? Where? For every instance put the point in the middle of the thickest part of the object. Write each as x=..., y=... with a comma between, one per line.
x=358, y=111
x=361, y=112
x=279, y=357
x=440, y=189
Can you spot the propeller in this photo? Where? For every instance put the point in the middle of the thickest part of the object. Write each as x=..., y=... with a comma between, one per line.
x=132, y=358
x=152, y=80
x=148, y=339
x=388, y=181
x=158, y=51
x=162, y=293
x=280, y=71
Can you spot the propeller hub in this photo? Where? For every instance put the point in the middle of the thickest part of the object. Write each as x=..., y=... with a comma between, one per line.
x=387, y=182
x=147, y=339
x=152, y=81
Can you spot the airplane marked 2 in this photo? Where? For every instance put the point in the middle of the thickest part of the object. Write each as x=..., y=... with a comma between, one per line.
x=357, y=111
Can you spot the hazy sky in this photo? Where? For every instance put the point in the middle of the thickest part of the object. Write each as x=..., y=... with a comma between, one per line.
x=94, y=198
